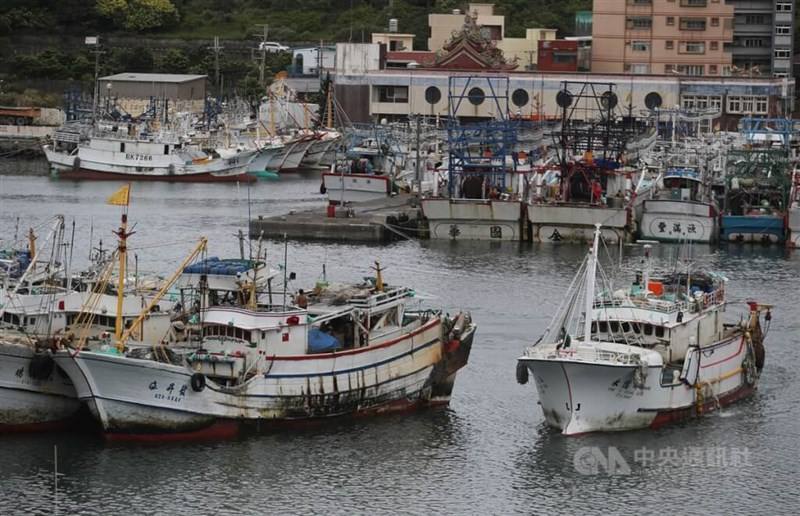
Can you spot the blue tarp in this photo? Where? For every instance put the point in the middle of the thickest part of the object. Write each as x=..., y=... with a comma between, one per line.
x=320, y=342
x=214, y=265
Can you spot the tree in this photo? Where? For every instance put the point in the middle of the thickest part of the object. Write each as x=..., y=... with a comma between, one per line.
x=138, y=15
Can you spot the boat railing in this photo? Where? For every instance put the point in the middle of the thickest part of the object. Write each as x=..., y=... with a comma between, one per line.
x=662, y=305
x=381, y=298
x=586, y=353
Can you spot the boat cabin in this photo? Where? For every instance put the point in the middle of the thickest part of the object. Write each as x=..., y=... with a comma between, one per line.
x=682, y=184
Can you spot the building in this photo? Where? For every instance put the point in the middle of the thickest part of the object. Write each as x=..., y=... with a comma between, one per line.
x=763, y=37
x=685, y=37
x=133, y=92
x=310, y=61
x=368, y=91
x=523, y=51
x=442, y=26
x=558, y=56
x=394, y=41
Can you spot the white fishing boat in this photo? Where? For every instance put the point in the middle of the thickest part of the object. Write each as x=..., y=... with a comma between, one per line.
x=354, y=351
x=642, y=357
x=681, y=211
x=121, y=154
x=365, y=173
x=322, y=150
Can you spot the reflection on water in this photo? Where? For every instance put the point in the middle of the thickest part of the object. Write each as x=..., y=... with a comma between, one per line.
x=490, y=452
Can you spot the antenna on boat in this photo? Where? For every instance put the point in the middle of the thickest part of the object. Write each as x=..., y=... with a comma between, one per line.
x=285, y=267
x=591, y=274
x=69, y=263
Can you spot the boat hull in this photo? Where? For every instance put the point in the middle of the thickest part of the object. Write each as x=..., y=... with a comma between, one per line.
x=355, y=187
x=674, y=221
x=129, y=396
x=32, y=404
x=751, y=228
x=204, y=177
x=473, y=219
x=576, y=223
x=579, y=397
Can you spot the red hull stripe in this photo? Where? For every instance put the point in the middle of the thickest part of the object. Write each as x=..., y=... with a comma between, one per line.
x=337, y=354
x=219, y=430
x=205, y=177
x=672, y=416
x=738, y=352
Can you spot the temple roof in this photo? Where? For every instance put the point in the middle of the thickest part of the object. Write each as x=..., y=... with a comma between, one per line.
x=470, y=49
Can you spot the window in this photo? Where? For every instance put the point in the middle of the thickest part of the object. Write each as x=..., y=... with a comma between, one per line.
x=691, y=102
x=603, y=327
x=691, y=69
x=640, y=46
x=640, y=68
x=712, y=69
x=659, y=331
x=715, y=22
x=639, y=22
x=669, y=44
x=752, y=42
x=755, y=19
x=783, y=30
x=670, y=20
x=782, y=53
x=693, y=47
x=626, y=327
x=714, y=45
x=614, y=326
x=640, y=2
x=694, y=3
x=744, y=104
x=395, y=94
x=784, y=7
x=166, y=150
x=693, y=24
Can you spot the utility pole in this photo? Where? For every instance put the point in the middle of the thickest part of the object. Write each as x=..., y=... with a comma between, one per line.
x=417, y=171
x=262, y=57
x=217, y=49
x=94, y=42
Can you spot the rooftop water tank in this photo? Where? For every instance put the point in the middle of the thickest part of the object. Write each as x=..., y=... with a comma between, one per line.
x=392, y=24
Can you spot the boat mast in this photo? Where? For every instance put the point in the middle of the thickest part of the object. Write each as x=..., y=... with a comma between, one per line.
x=591, y=274
x=121, y=198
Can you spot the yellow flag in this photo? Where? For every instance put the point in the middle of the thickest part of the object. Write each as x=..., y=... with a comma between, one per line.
x=120, y=197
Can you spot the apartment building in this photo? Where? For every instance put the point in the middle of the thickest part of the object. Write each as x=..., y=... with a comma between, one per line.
x=763, y=37
x=682, y=37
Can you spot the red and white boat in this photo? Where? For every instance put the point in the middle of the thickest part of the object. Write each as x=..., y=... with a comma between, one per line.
x=653, y=354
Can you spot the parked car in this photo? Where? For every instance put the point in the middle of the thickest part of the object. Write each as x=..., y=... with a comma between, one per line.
x=272, y=47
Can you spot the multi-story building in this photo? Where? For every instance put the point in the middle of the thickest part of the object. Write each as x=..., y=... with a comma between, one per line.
x=763, y=37
x=684, y=37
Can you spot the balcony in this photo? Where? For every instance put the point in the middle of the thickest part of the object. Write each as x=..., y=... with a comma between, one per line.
x=694, y=3
x=692, y=24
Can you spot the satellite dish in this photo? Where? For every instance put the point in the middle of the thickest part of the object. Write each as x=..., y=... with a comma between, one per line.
x=432, y=95
x=520, y=97
x=564, y=98
x=609, y=100
x=652, y=100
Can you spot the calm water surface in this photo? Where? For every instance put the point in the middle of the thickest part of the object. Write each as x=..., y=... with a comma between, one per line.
x=489, y=453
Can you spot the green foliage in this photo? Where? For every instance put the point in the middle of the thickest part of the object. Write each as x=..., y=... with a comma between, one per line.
x=138, y=15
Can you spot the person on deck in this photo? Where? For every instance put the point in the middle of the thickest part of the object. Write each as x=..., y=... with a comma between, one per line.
x=300, y=299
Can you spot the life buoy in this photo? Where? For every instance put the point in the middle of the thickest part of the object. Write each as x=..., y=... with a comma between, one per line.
x=198, y=382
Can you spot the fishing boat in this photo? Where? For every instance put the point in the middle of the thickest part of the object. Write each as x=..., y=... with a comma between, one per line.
x=655, y=353
x=756, y=196
x=364, y=173
x=793, y=222
x=115, y=152
x=353, y=351
x=683, y=210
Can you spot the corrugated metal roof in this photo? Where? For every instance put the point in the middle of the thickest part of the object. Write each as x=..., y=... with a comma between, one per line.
x=152, y=77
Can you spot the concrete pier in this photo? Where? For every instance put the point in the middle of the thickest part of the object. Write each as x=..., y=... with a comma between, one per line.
x=379, y=221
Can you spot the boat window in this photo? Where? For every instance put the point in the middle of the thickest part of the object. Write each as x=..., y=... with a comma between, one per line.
x=246, y=335
x=166, y=149
x=594, y=327
x=659, y=331
x=603, y=327
x=626, y=327
x=237, y=333
x=263, y=334
x=636, y=328
x=648, y=329
x=614, y=325
x=122, y=147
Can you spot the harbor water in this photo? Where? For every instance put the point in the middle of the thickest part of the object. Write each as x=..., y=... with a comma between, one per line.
x=488, y=453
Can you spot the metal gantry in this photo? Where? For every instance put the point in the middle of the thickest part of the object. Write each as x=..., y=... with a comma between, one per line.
x=481, y=151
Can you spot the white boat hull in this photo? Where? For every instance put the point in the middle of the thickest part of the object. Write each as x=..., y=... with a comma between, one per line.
x=581, y=396
x=28, y=403
x=130, y=396
x=473, y=219
x=576, y=223
x=672, y=221
x=355, y=187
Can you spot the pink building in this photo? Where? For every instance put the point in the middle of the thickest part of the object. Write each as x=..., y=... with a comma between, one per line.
x=689, y=37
